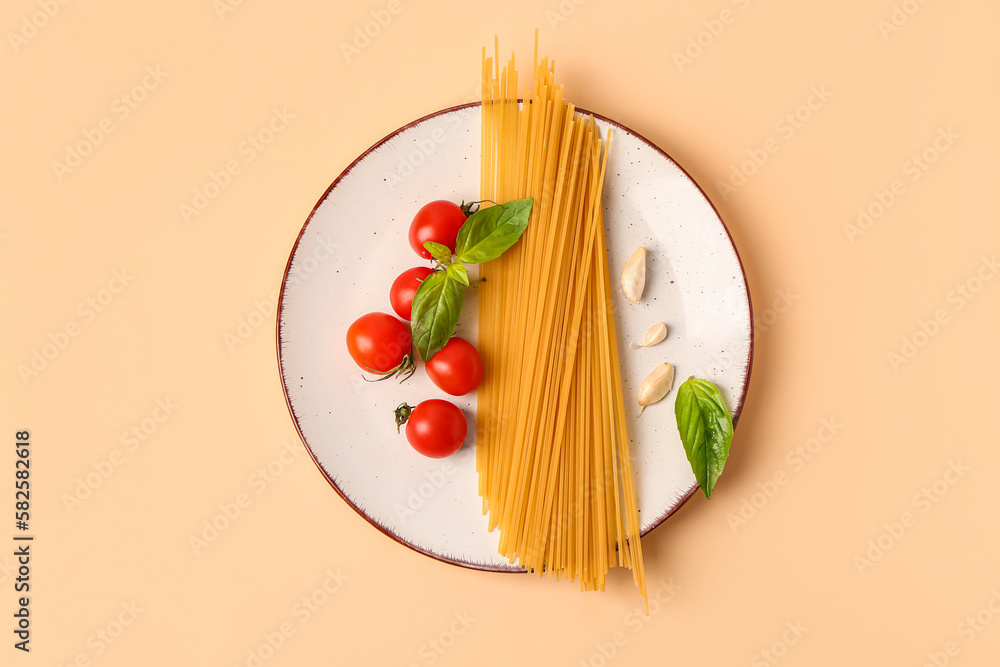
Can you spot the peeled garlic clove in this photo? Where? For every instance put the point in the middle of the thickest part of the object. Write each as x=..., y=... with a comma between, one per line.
x=634, y=275
x=656, y=385
x=654, y=335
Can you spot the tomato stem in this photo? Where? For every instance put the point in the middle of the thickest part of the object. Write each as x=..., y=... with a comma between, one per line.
x=405, y=370
x=467, y=206
x=402, y=413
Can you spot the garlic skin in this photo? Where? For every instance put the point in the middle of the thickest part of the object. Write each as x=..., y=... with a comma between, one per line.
x=654, y=335
x=656, y=385
x=634, y=275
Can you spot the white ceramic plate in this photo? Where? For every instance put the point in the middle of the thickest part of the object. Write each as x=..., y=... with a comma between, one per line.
x=354, y=245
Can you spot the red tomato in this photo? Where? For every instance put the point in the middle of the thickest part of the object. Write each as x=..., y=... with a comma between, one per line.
x=435, y=428
x=457, y=369
x=380, y=343
x=404, y=287
x=438, y=221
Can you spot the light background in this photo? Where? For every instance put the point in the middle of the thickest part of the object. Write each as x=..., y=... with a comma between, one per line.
x=823, y=553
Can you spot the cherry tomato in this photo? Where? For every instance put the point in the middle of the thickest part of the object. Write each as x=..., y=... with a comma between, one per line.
x=380, y=343
x=435, y=428
x=457, y=369
x=404, y=287
x=438, y=221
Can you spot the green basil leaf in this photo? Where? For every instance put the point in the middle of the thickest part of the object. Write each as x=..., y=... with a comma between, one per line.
x=436, y=307
x=706, y=430
x=438, y=251
x=459, y=273
x=488, y=232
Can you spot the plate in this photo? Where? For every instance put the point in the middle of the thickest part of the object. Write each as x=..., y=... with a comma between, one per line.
x=353, y=246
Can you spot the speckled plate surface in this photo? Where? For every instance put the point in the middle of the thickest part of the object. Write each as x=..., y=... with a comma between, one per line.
x=354, y=245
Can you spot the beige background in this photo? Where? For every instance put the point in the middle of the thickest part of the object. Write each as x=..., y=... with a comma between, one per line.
x=846, y=549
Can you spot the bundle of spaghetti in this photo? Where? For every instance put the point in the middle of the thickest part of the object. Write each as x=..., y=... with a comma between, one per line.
x=552, y=447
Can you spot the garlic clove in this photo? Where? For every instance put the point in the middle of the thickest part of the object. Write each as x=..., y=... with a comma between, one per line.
x=634, y=275
x=654, y=335
x=656, y=385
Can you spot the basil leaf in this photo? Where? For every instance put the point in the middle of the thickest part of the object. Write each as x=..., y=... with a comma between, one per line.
x=438, y=251
x=459, y=273
x=488, y=232
x=706, y=430
x=436, y=307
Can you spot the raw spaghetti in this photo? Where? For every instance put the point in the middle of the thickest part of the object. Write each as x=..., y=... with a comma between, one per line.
x=552, y=450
